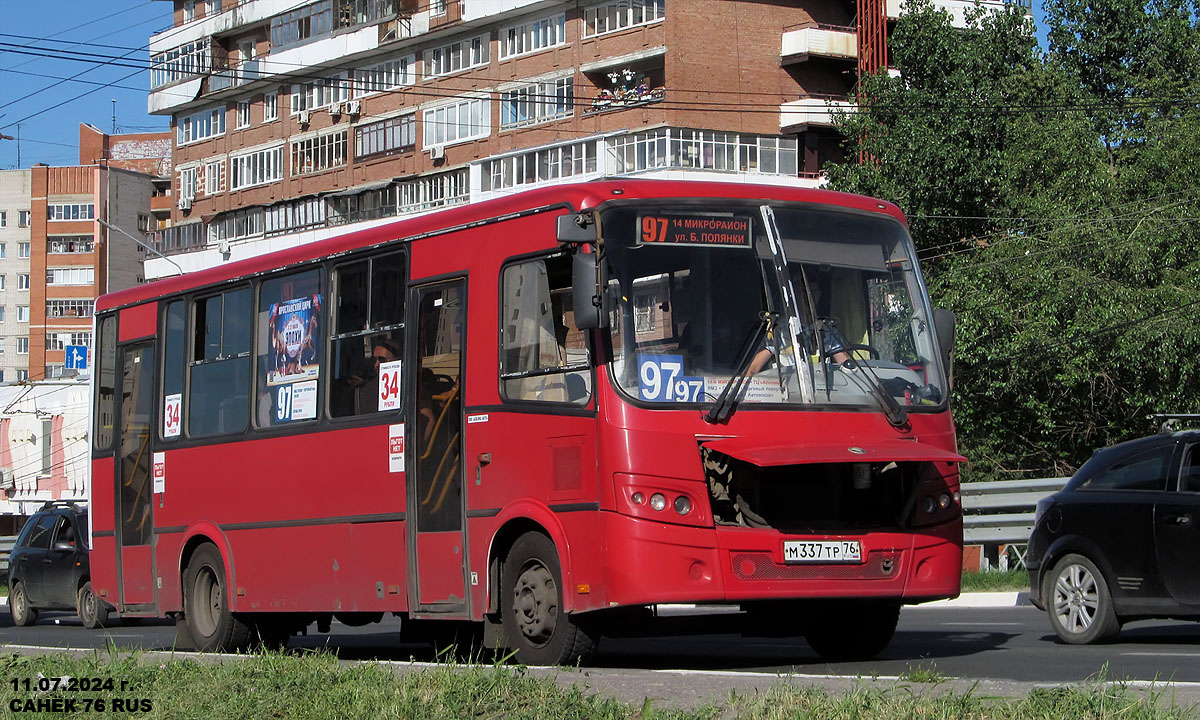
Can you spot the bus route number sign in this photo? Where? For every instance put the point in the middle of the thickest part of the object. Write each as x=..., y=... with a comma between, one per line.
x=389, y=385
x=661, y=379
x=711, y=230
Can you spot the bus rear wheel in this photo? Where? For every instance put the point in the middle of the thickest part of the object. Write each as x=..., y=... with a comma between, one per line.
x=212, y=625
x=853, y=630
x=535, y=625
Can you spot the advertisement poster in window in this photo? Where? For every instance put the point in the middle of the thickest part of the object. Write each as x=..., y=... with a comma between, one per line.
x=293, y=362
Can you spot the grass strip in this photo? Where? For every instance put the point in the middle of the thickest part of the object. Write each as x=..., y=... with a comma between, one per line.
x=316, y=685
x=996, y=581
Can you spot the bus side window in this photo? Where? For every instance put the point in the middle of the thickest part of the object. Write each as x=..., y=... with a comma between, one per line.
x=218, y=401
x=368, y=332
x=174, y=363
x=291, y=337
x=543, y=356
x=106, y=382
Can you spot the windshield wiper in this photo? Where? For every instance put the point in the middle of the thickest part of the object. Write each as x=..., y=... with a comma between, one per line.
x=726, y=402
x=897, y=416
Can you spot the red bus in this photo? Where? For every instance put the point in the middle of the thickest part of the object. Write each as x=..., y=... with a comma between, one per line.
x=537, y=416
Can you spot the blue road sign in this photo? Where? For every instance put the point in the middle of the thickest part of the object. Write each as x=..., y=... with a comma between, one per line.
x=77, y=357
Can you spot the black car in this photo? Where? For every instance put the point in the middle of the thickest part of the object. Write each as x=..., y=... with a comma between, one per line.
x=1120, y=541
x=48, y=568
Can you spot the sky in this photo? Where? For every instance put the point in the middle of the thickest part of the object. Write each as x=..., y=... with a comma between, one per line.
x=49, y=109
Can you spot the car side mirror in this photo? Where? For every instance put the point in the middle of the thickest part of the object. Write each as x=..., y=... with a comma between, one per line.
x=65, y=546
x=585, y=292
x=944, y=328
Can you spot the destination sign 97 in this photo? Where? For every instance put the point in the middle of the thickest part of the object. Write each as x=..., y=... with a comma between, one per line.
x=713, y=230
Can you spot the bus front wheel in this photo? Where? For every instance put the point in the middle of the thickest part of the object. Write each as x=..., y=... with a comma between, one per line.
x=536, y=627
x=213, y=626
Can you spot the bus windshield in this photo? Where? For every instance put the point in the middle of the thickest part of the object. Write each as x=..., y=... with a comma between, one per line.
x=812, y=305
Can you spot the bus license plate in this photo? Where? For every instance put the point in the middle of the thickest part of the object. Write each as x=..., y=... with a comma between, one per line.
x=822, y=551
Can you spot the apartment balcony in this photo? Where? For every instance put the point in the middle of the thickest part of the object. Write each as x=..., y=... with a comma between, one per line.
x=958, y=8
x=811, y=112
x=835, y=42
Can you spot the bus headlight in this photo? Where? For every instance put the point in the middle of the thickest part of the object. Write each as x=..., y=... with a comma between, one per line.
x=683, y=506
x=658, y=501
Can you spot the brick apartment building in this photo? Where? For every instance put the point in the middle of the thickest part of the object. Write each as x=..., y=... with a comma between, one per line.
x=292, y=120
x=57, y=256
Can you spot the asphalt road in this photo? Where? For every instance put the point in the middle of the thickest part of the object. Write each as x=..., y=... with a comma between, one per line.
x=1001, y=644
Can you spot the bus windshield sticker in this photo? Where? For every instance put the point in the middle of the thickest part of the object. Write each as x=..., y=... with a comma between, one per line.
x=172, y=406
x=160, y=472
x=296, y=332
x=712, y=230
x=396, y=448
x=661, y=379
x=389, y=385
x=304, y=400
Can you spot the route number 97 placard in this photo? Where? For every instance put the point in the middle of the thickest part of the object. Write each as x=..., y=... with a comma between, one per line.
x=661, y=379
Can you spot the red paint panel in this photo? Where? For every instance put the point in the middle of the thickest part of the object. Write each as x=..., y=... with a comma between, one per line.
x=440, y=560
x=137, y=322
x=103, y=566
x=137, y=576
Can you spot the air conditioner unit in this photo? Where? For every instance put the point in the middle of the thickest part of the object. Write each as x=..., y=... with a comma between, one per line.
x=437, y=152
x=354, y=107
x=7, y=478
x=305, y=117
x=335, y=109
x=185, y=202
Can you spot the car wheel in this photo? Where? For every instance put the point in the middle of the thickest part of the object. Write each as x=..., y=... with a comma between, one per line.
x=92, y=610
x=534, y=623
x=213, y=626
x=1078, y=602
x=854, y=630
x=23, y=614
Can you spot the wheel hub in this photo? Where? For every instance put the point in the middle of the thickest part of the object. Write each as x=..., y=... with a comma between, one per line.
x=535, y=604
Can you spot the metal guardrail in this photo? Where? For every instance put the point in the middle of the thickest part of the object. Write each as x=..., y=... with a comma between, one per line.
x=1002, y=511
x=6, y=546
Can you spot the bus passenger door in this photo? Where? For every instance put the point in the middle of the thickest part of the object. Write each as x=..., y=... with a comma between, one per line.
x=135, y=513
x=436, y=503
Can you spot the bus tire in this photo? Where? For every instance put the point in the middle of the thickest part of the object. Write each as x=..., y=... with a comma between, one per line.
x=213, y=626
x=853, y=630
x=23, y=614
x=535, y=625
x=92, y=610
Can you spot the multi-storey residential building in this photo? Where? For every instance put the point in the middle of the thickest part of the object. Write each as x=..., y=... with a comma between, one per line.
x=57, y=253
x=293, y=119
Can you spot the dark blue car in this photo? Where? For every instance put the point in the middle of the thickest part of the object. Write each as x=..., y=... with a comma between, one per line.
x=48, y=568
x=1120, y=541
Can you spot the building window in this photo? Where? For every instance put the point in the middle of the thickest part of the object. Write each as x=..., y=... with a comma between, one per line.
x=143, y=222
x=70, y=211
x=236, y=225
x=187, y=182
x=702, y=150
x=270, y=106
x=1, y=313
x=384, y=76
x=537, y=102
x=22, y=218
x=3, y=219
x=320, y=93
x=22, y=313
x=22, y=347
x=437, y=8
x=302, y=214
x=189, y=10
x=68, y=244
x=70, y=276
x=297, y=26
x=243, y=114
x=457, y=56
x=70, y=308
x=3, y=252
x=385, y=136
x=619, y=15
x=533, y=36
x=539, y=166
x=464, y=120
x=23, y=249
x=200, y=126
x=317, y=154
x=214, y=177
x=256, y=168
x=22, y=375
x=434, y=191
x=2, y=282
x=22, y=281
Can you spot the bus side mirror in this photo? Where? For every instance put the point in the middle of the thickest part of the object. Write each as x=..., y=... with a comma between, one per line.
x=943, y=326
x=585, y=292
x=576, y=229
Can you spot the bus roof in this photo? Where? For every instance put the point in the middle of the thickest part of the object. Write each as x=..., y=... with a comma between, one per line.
x=578, y=196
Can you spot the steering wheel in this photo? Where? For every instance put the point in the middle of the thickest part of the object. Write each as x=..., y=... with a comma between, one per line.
x=825, y=354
